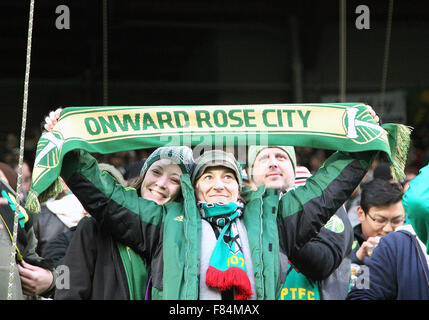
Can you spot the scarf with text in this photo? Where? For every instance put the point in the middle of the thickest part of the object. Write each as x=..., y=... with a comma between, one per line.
x=334, y=126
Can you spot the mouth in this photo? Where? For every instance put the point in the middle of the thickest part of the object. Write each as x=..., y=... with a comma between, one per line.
x=158, y=193
x=218, y=196
x=273, y=175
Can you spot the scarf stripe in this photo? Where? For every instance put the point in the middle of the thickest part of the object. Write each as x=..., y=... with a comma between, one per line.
x=227, y=269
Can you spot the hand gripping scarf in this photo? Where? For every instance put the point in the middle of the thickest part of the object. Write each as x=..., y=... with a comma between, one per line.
x=346, y=127
x=227, y=269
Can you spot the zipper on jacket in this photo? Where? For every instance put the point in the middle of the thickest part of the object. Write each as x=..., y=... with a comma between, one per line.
x=261, y=245
x=185, y=221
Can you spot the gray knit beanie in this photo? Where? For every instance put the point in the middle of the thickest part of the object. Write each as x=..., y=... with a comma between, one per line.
x=181, y=155
x=216, y=158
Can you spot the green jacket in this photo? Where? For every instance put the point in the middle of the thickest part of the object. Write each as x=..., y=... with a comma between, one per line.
x=169, y=236
x=416, y=205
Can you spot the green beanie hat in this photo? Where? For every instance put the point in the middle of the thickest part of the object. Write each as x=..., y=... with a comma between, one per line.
x=253, y=152
x=216, y=158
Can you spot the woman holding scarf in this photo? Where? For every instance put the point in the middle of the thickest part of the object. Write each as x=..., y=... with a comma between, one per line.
x=102, y=269
x=223, y=241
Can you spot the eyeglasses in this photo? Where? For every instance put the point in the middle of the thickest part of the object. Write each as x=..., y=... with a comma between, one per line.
x=381, y=221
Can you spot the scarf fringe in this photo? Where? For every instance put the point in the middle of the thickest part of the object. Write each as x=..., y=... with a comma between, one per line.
x=399, y=152
x=32, y=204
x=34, y=200
x=232, y=277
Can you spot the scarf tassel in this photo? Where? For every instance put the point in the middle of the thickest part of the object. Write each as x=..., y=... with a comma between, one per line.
x=232, y=277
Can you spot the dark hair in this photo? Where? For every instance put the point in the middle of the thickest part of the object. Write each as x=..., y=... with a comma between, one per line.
x=136, y=183
x=378, y=193
x=382, y=171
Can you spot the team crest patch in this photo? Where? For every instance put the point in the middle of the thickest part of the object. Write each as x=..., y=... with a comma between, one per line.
x=178, y=218
x=335, y=224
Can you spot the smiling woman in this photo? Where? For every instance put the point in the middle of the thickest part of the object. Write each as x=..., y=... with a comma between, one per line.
x=161, y=182
x=159, y=178
x=217, y=184
x=103, y=269
x=217, y=177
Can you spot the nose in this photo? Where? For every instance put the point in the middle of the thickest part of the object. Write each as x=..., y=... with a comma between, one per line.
x=388, y=227
x=218, y=184
x=272, y=162
x=162, y=181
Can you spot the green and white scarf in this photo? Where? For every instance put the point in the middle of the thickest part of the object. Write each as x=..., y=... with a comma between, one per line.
x=227, y=268
x=346, y=127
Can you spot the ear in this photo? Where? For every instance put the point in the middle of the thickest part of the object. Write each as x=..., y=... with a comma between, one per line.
x=360, y=213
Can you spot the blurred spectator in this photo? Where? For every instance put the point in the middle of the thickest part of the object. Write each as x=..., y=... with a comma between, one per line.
x=382, y=171
x=33, y=274
x=25, y=178
x=8, y=175
x=57, y=215
x=56, y=248
x=311, y=158
x=378, y=170
x=133, y=169
x=410, y=173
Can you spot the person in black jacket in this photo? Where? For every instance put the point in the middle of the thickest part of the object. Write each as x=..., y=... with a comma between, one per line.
x=55, y=248
x=56, y=216
x=91, y=255
x=275, y=167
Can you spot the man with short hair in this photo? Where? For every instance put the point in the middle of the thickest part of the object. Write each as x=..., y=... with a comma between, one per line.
x=272, y=167
x=398, y=268
x=380, y=212
x=310, y=267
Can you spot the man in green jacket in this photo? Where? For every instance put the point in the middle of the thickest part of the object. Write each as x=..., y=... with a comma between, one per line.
x=310, y=267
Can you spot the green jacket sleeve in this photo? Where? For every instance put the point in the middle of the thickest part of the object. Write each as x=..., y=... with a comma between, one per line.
x=132, y=220
x=416, y=205
x=305, y=210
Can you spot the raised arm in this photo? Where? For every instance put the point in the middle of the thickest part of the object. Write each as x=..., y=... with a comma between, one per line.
x=332, y=244
x=131, y=220
x=305, y=210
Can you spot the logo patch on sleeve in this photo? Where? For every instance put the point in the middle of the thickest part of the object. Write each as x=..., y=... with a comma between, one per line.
x=335, y=224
